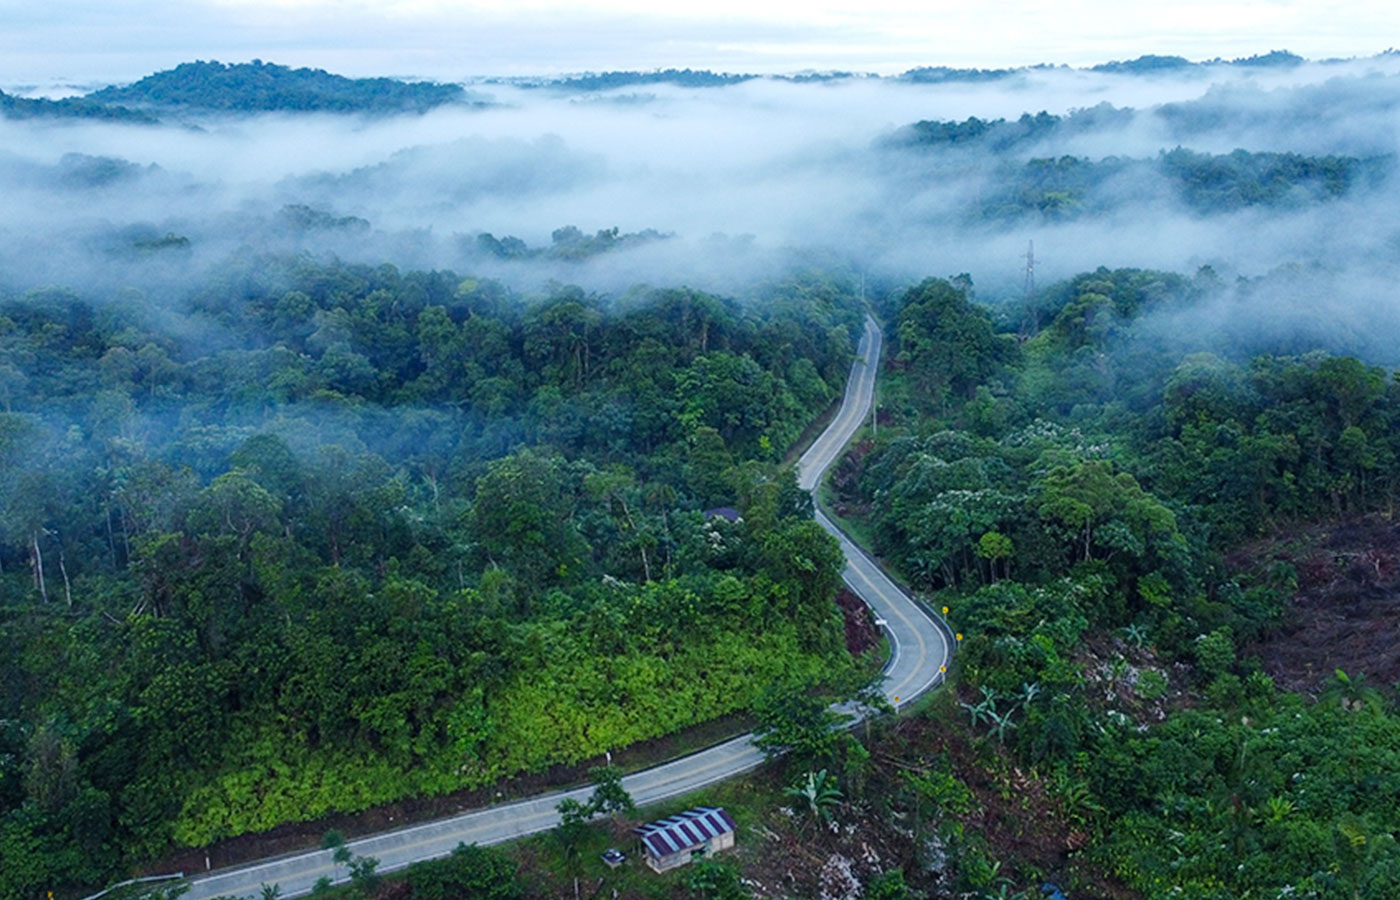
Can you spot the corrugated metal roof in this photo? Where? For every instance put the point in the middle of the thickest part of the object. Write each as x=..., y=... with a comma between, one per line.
x=688, y=829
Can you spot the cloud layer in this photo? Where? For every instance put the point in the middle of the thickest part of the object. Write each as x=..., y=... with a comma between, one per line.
x=790, y=173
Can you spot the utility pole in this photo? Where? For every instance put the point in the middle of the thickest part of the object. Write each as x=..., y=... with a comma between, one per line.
x=875, y=381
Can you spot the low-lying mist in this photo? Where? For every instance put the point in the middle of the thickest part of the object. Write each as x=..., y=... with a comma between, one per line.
x=737, y=183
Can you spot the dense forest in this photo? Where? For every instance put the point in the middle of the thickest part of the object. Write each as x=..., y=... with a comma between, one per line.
x=335, y=486
x=1067, y=186
x=12, y=107
x=1071, y=487
x=1121, y=528
x=256, y=86
x=1204, y=183
x=326, y=536
x=260, y=86
x=567, y=243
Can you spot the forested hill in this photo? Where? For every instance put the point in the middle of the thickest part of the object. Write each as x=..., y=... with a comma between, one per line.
x=12, y=107
x=259, y=87
x=1143, y=65
x=1024, y=173
x=702, y=78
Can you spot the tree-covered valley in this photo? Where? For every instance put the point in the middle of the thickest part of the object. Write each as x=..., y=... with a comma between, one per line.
x=367, y=443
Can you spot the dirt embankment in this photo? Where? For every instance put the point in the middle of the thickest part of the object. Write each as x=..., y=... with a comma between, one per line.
x=861, y=631
x=1346, y=611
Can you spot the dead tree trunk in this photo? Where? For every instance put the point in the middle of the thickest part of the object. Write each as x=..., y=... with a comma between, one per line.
x=67, y=588
x=39, y=568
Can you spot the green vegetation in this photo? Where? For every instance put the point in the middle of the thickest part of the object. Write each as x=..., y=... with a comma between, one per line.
x=475, y=872
x=1076, y=491
x=12, y=107
x=1147, y=63
x=260, y=86
x=359, y=535
x=568, y=243
x=1067, y=187
x=1204, y=183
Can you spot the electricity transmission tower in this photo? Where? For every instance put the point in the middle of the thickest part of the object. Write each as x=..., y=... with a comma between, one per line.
x=1030, y=322
x=1029, y=257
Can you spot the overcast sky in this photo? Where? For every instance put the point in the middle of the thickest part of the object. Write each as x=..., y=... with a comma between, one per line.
x=46, y=41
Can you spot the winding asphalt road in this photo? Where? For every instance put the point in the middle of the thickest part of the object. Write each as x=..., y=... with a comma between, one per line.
x=920, y=648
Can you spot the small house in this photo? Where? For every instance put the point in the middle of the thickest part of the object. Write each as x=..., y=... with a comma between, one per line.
x=687, y=836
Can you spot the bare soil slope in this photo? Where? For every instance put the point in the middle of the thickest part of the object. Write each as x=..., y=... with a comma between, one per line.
x=1346, y=612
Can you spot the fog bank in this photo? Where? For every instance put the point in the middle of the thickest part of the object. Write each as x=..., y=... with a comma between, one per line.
x=744, y=180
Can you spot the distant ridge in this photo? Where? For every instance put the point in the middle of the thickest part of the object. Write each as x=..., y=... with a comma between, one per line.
x=12, y=107
x=603, y=81
x=267, y=87
x=1148, y=64
x=259, y=86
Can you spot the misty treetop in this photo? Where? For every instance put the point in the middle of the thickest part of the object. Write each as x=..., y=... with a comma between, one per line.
x=1146, y=65
x=605, y=81
x=567, y=243
x=1206, y=184
x=429, y=188
x=1067, y=187
x=328, y=536
x=1149, y=62
x=12, y=107
x=260, y=87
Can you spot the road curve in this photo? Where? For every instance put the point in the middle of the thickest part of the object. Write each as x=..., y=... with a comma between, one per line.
x=919, y=644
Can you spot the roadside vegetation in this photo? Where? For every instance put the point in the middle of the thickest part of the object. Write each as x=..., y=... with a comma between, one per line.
x=327, y=537
x=1107, y=512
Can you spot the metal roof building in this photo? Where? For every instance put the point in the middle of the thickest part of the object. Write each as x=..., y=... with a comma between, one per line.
x=672, y=842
